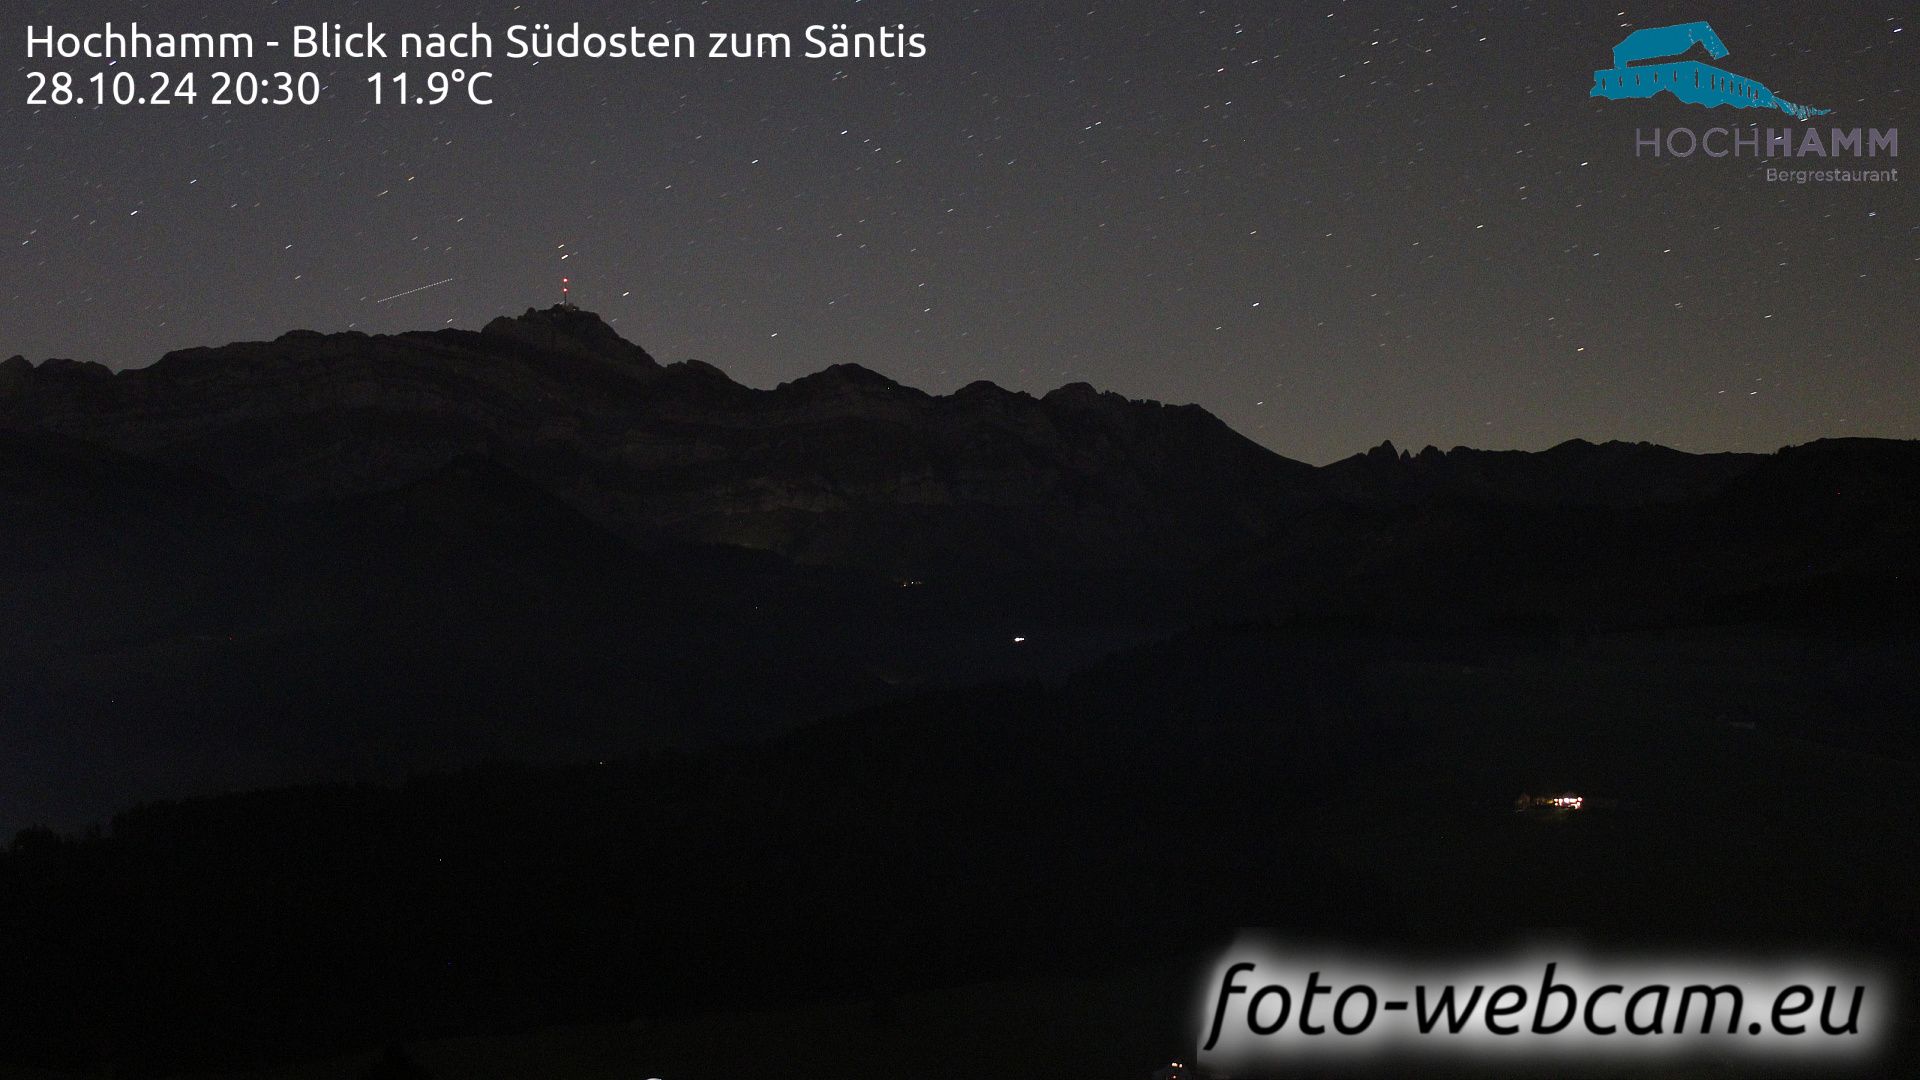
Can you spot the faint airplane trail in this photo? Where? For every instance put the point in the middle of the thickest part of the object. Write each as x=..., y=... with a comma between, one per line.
x=410, y=292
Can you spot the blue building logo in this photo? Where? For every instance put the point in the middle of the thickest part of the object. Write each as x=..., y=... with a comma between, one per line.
x=1653, y=60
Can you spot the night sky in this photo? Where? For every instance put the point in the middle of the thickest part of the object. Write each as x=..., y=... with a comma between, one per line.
x=1330, y=224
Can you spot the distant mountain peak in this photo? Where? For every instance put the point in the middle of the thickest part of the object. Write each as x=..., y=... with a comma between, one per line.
x=564, y=328
x=1084, y=395
x=986, y=389
x=845, y=377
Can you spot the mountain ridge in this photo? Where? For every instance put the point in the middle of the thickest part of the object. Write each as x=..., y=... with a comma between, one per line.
x=565, y=331
x=845, y=466
x=335, y=554
x=677, y=452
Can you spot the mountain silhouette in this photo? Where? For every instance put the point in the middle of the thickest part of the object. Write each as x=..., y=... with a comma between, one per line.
x=346, y=555
x=843, y=467
x=458, y=684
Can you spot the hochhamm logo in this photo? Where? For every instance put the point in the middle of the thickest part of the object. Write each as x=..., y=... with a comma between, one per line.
x=1653, y=60
x=1659, y=60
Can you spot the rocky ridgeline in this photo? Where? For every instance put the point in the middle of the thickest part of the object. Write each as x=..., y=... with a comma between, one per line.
x=845, y=465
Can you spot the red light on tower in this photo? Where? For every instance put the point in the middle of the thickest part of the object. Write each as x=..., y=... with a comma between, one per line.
x=566, y=288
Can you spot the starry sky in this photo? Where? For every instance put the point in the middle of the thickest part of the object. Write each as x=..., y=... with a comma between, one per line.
x=1330, y=224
